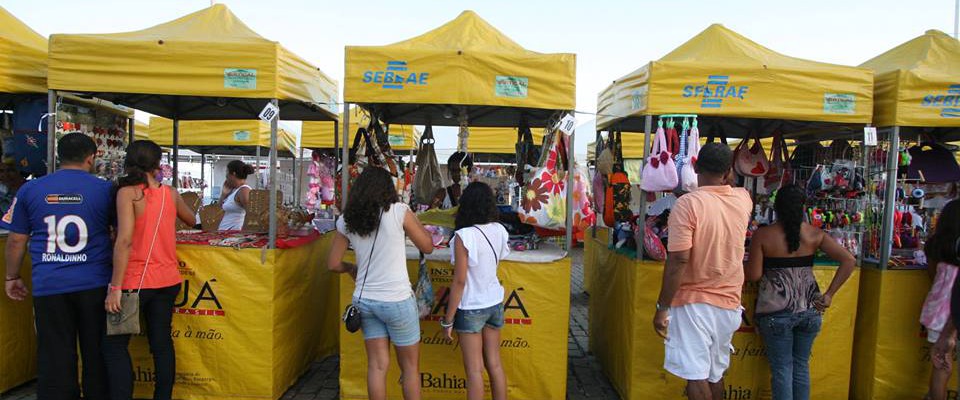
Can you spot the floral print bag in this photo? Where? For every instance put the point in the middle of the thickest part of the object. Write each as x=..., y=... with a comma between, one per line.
x=544, y=202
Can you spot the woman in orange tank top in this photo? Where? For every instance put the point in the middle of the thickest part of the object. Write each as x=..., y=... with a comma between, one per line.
x=145, y=259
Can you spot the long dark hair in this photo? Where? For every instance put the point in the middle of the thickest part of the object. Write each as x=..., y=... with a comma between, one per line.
x=371, y=193
x=477, y=206
x=941, y=246
x=789, y=208
x=143, y=157
x=239, y=169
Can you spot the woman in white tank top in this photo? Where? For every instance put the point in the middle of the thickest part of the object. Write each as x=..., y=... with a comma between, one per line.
x=234, y=195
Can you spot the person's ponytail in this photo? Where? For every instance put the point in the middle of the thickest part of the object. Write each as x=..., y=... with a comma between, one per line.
x=789, y=207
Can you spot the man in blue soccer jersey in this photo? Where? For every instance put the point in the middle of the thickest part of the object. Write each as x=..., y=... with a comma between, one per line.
x=64, y=219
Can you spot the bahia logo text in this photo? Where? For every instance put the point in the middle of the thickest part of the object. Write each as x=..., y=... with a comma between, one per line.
x=948, y=104
x=718, y=87
x=396, y=76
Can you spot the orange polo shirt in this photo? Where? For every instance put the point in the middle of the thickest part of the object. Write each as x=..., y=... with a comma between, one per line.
x=712, y=223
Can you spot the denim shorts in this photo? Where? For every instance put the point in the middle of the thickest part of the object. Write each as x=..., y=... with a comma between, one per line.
x=473, y=321
x=397, y=320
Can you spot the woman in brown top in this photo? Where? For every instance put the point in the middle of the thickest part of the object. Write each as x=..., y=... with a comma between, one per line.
x=789, y=303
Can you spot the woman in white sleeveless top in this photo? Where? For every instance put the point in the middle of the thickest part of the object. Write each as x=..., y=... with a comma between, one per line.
x=234, y=195
x=376, y=223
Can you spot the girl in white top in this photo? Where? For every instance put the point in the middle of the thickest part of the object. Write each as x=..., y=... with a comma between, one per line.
x=234, y=195
x=375, y=222
x=478, y=246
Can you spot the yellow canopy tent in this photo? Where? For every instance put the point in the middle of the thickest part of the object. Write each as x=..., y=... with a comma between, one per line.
x=465, y=63
x=918, y=83
x=319, y=135
x=210, y=61
x=207, y=65
x=229, y=137
x=720, y=73
x=497, y=140
x=141, y=131
x=23, y=57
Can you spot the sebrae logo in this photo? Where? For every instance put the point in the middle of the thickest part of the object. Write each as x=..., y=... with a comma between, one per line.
x=396, y=76
x=948, y=104
x=717, y=89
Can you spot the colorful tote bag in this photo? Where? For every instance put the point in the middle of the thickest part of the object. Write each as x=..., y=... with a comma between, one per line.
x=544, y=201
x=424, y=290
x=751, y=161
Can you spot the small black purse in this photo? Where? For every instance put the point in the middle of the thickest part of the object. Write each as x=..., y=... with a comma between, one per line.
x=351, y=315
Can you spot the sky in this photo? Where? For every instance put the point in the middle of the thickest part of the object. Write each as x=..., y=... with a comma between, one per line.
x=610, y=38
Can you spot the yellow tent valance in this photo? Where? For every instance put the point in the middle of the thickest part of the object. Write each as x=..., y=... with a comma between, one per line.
x=632, y=143
x=23, y=57
x=319, y=135
x=232, y=133
x=721, y=73
x=918, y=83
x=141, y=131
x=497, y=140
x=466, y=62
x=210, y=59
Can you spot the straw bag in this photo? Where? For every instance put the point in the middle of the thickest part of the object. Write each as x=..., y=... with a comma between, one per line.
x=660, y=172
x=426, y=182
x=127, y=321
x=210, y=217
x=688, y=174
x=192, y=199
x=751, y=161
x=605, y=155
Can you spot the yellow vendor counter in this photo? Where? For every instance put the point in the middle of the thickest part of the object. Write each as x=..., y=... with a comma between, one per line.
x=248, y=321
x=18, y=340
x=892, y=355
x=533, y=342
x=623, y=292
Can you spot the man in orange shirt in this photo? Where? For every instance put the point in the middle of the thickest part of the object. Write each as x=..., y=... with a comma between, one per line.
x=703, y=277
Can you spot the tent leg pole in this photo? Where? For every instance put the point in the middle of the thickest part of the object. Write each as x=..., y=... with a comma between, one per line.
x=571, y=162
x=52, y=131
x=257, y=168
x=131, y=129
x=889, y=197
x=345, y=159
x=272, y=179
x=298, y=182
x=176, y=152
x=203, y=174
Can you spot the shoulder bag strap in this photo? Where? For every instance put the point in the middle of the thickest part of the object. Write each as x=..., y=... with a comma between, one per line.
x=370, y=257
x=495, y=255
x=163, y=203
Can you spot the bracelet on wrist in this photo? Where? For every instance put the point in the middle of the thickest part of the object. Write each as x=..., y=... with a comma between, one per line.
x=113, y=288
x=445, y=324
x=13, y=278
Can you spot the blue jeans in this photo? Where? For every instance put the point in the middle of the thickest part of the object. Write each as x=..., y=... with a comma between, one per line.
x=789, y=338
x=473, y=321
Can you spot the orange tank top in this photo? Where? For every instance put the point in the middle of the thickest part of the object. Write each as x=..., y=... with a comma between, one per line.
x=159, y=215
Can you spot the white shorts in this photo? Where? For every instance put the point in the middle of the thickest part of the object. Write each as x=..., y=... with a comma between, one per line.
x=698, y=344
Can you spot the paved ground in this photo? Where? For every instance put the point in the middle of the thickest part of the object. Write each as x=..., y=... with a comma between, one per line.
x=584, y=378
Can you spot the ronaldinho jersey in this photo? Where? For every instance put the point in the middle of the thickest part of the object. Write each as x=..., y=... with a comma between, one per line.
x=68, y=215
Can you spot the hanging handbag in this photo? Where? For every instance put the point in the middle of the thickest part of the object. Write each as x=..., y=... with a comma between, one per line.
x=351, y=315
x=780, y=171
x=688, y=174
x=652, y=245
x=751, y=161
x=933, y=162
x=605, y=157
x=382, y=147
x=660, y=172
x=526, y=152
x=127, y=321
x=544, y=198
x=424, y=290
x=598, y=182
x=426, y=181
